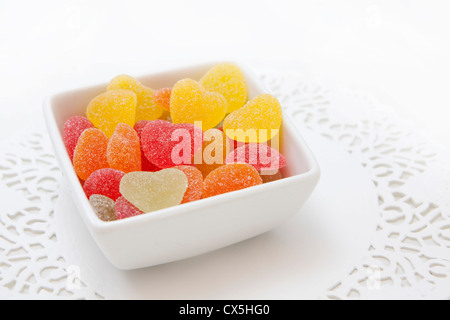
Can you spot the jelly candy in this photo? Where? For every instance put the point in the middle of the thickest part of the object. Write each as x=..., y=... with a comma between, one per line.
x=230, y=177
x=124, y=209
x=195, y=183
x=162, y=98
x=167, y=145
x=146, y=164
x=228, y=80
x=258, y=121
x=214, y=150
x=124, y=149
x=109, y=109
x=270, y=176
x=166, y=116
x=90, y=153
x=150, y=191
x=146, y=108
x=105, y=182
x=73, y=128
x=259, y=155
x=190, y=102
x=104, y=207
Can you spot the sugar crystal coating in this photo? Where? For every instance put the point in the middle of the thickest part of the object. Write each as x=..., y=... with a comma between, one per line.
x=125, y=209
x=258, y=121
x=146, y=107
x=259, y=155
x=105, y=182
x=167, y=145
x=214, y=150
x=230, y=177
x=162, y=98
x=73, y=128
x=109, y=109
x=195, y=183
x=124, y=149
x=190, y=102
x=90, y=153
x=228, y=80
x=104, y=207
x=150, y=191
x=146, y=164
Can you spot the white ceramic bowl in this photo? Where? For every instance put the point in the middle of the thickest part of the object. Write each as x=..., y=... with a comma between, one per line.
x=198, y=227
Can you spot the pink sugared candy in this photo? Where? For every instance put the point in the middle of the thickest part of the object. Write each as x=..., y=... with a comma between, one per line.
x=259, y=155
x=167, y=145
x=105, y=182
x=124, y=209
x=73, y=128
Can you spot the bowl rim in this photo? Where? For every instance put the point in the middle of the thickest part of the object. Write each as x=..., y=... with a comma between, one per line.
x=100, y=226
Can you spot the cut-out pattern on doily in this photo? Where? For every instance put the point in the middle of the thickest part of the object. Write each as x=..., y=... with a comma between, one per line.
x=32, y=264
x=410, y=253
x=409, y=256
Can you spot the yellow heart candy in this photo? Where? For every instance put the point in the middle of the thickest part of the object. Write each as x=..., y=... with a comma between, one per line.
x=151, y=191
x=109, y=109
x=147, y=108
x=190, y=102
x=256, y=122
x=228, y=80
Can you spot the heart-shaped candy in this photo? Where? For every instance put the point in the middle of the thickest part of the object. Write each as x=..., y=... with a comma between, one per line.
x=167, y=145
x=228, y=80
x=109, y=109
x=190, y=102
x=151, y=191
x=258, y=121
x=146, y=108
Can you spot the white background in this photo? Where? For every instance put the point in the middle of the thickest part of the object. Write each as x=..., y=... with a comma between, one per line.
x=397, y=49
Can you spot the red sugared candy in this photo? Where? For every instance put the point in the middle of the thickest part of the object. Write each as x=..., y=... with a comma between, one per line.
x=260, y=156
x=167, y=145
x=195, y=183
x=73, y=128
x=230, y=177
x=105, y=182
x=162, y=98
x=125, y=209
x=146, y=164
x=90, y=153
x=124, y=149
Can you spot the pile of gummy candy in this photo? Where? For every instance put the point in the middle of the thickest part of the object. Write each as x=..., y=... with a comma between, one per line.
x=139, y=150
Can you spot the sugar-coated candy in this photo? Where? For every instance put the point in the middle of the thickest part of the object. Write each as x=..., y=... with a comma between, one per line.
x=230, y=177
x=104, y=207
x=167, y=145
x=90, y=153
x=73, y=128
x=146, y=164
x=124, y=149
x=147, y=108
x=214, y=150
x=125, y=209
x=269, y=176
x=105, y=182
x=227, y=79
x=195, y=183
x=258, y=121
x=150, y=191
x=190, y=102
x=259, y=155
x=109, y=109
x=162, y=98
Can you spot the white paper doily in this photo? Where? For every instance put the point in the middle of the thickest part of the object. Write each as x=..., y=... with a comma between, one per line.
x=377, y=226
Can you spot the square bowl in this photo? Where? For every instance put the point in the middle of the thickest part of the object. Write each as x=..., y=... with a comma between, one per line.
x=197, y=227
